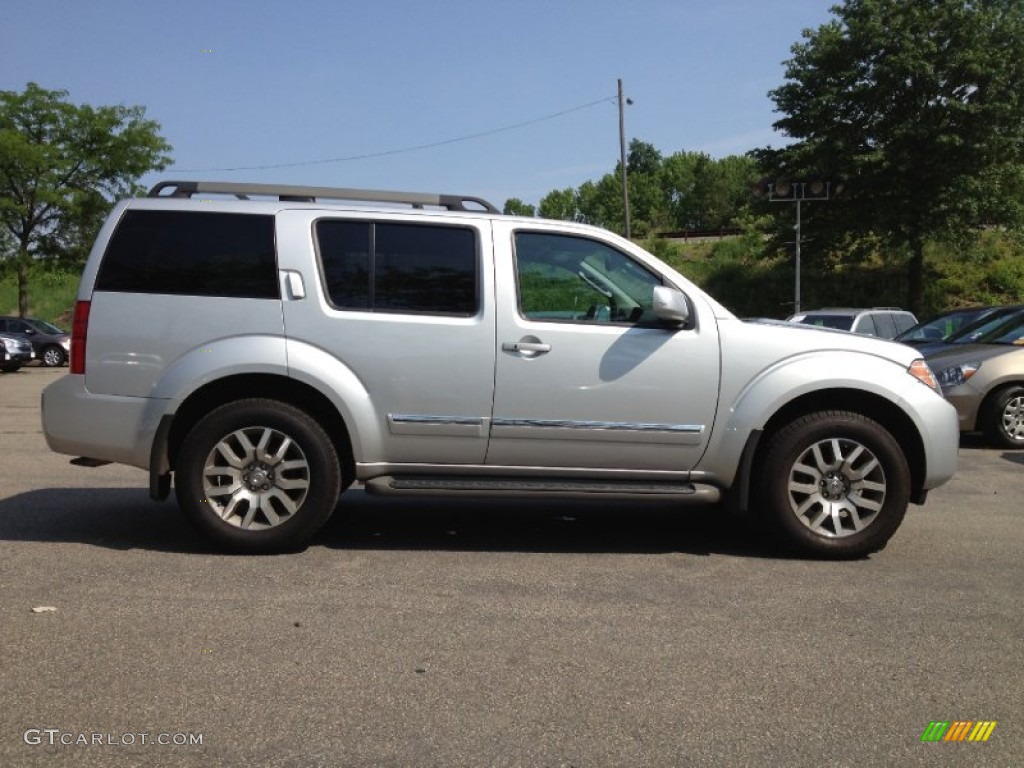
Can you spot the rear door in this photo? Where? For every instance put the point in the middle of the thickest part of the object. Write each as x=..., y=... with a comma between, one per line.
x=404, y=302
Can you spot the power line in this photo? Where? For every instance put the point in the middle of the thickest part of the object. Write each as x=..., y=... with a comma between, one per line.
x=416, y=148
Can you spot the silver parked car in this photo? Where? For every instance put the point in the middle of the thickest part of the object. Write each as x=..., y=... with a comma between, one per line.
x=884, y=322
x=288, y=341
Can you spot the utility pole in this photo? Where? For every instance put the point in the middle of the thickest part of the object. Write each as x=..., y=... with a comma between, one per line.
x=622, y=156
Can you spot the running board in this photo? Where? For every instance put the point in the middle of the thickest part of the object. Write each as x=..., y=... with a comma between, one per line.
x=412, y=485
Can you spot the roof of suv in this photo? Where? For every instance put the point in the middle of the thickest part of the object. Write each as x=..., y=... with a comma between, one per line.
x=288, y=193
x=850, y=310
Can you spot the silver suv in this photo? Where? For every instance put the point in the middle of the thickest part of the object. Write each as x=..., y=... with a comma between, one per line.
x=269, y=346
x=884, y=322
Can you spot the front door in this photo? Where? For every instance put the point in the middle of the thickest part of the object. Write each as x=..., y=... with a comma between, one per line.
x=586, y=375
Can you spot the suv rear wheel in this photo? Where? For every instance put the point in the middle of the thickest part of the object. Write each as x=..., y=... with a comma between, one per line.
x=258, y=476
x=836, y=484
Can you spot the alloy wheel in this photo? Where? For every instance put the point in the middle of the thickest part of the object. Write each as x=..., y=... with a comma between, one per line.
x=836, y=487
x=256, y=478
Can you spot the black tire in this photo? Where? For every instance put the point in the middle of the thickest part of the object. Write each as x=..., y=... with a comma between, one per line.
x=1003, y=418
x=53, y=356
x=835, y=484
x=257, y=504
x=10, y=367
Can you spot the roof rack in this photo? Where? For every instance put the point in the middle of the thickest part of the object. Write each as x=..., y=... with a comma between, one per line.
x=301, y=194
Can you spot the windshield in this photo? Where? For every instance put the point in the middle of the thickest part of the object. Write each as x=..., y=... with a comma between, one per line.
x=45, y=327
x=1009, y=332
x=988, y=327
x=944, y=326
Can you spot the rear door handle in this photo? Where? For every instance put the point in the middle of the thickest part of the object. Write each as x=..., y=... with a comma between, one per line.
x=533, y=347
x=293, y=281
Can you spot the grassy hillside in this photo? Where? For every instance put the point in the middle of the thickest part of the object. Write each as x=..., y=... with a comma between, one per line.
x=51, y=294
x=753, y=283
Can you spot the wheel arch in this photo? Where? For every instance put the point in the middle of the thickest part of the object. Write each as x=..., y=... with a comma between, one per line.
x=174, y=427
x=889, y=415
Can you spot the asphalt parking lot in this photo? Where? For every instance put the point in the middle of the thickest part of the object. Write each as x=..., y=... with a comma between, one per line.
x=495, y=634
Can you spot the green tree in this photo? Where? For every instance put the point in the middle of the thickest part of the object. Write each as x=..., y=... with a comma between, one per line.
x=600, y=203
x=516, y=207
x=560, y=204
x=60, y=166
x=919, y=106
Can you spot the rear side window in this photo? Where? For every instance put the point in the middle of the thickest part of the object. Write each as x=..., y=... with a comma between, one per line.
x=387, y=267
x=866, y=324
x=192, y=253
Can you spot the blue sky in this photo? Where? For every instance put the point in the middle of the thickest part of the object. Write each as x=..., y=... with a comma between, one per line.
x=236, y=84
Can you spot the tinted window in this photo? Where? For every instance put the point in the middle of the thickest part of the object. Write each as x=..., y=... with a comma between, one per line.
x=193, y=253
x=385, y=267
x=884, y=325
x=345, y=259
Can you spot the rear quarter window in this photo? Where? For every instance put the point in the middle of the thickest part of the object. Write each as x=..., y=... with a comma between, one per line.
x=192, y=253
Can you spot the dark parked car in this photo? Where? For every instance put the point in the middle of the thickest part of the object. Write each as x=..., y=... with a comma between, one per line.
x=972, y=332
x=14, y=352
x=943, y=325
x=50, y=344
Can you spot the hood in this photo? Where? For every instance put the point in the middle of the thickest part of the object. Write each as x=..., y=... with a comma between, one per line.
x=954, y=354
x=779, y=339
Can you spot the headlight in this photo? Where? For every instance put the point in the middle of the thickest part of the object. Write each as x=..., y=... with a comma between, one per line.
x=955, y=375
x=10, y=345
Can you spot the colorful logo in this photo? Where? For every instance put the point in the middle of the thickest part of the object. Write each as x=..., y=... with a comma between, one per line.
x=959, y=730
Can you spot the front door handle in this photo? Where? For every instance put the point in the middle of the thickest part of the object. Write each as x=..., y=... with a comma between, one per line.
x=526, y=347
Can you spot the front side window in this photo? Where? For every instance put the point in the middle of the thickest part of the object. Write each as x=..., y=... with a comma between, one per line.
x=192, y=253
x=575, y=279
x=389, y=267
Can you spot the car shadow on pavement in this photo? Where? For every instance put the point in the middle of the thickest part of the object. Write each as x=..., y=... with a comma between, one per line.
x=116, y=518
x=365, y=522
x=125, y=519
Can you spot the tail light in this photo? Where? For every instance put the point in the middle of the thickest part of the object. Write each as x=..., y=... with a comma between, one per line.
x=79, y=332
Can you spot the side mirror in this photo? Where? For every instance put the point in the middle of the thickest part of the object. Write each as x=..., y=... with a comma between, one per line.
x=670, y=306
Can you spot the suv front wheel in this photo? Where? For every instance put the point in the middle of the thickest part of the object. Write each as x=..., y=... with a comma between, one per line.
x=258, y=476
x=836, y=484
